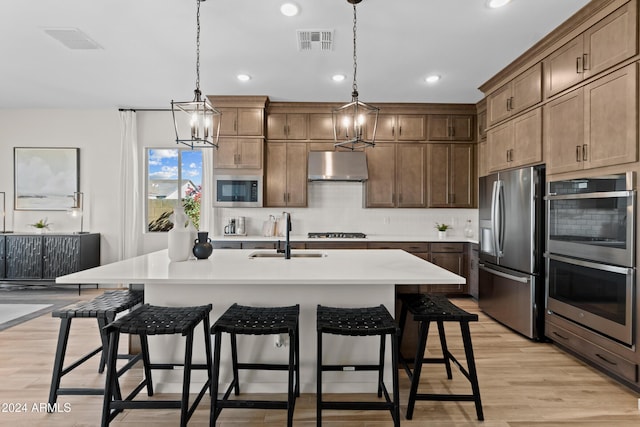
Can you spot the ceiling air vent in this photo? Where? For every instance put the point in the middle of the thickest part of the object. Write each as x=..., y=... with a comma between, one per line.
x=309, y=40
x=72, y=38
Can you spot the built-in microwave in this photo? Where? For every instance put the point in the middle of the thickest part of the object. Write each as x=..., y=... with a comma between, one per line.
x=237, y=191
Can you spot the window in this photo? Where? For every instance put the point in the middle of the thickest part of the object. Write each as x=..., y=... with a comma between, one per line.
x=173, y=176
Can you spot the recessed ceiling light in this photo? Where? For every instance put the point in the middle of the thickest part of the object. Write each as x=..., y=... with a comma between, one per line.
x=289, y=9
x=493, y=4
x=432, y=78
x=243, y=77
x=338, y=77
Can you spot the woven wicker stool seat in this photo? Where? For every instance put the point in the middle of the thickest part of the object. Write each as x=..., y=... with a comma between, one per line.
x=154, y=320
x=104, y=309
x=426, y=308
x=368, y=321
x=244, y=320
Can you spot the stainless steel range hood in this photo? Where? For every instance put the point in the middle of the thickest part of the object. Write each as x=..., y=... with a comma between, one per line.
x=338, y=166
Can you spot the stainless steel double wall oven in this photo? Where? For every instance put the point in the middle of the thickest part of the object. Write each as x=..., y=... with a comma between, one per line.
x=591, y=253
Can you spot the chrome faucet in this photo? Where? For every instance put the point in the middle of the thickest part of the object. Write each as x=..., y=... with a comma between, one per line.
x=287, y=246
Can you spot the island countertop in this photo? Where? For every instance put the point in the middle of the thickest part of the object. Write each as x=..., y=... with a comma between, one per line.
x=342, y=278
x=353, y=267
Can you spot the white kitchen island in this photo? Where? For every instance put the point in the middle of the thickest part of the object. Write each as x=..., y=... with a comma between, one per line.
x=339, y=278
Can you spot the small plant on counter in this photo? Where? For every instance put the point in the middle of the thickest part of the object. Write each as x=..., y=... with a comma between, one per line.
x=41, y=224
x=442, y=227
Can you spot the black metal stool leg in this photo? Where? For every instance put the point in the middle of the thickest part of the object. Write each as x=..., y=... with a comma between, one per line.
x=445, y=350
x=146, y=363
x=102, y=322
x=234, y=363
x=215, y=411
x=58, y=364
x=395, y=352
x=319, y=382
x=186, y=380
x=381, y=365
x=292, y=369
x=297, y=360
x=471, y=364
x=417, y=367
x=111, y=388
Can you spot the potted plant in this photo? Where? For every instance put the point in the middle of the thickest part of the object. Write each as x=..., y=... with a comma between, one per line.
x=41, y=225
x=442, y=230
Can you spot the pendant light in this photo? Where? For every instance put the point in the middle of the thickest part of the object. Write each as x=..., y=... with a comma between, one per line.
x=203, y=119
x=351, y=120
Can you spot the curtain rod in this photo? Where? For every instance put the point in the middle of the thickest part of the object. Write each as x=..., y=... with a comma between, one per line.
x=144, y=109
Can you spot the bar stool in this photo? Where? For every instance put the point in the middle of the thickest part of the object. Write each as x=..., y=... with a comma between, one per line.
x=369, y=321
x=426, y=308
x=154, y=320
x=243, y=320
x=104, y=309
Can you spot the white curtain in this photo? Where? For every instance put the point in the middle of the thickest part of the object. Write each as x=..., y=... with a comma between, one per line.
x=130, y=198
x=206, y=201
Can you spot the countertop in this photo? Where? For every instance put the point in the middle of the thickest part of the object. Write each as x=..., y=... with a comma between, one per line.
x=226, y=267
x=369, y=238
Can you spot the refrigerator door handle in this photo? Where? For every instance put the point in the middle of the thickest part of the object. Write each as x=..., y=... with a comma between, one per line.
x=494, y=220
x=497, y=215
x=505, y=275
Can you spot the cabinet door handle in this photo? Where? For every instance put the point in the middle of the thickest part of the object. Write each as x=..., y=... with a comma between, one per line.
x=584, y=152
x=235, y=125
x=508, y=104
x=606, y=360
x=459, y=265
x=400, y=131
x=579, y=65
x=578, y=156
x=560, y=336
x=585, y=61
x=453, y=131
x=393, y=131
x=284, y=197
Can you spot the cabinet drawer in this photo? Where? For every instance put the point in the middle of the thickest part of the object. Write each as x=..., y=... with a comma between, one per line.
x=605, y=359
x=226, y=245
x=407, y=246
x=447, y=247
x=258, y=245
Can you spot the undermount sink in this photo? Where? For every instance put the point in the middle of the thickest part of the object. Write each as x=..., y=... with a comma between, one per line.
x=273, y=254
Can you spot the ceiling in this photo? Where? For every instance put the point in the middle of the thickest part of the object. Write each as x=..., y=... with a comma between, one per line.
x=148, y=49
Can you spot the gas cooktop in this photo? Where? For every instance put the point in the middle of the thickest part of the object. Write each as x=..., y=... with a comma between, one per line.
x=336, y=235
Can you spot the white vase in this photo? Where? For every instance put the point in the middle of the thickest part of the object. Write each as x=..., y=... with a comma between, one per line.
x=180, y=239
x=442, y=234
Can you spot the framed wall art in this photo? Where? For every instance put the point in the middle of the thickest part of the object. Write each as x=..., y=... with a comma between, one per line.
x=45, y=178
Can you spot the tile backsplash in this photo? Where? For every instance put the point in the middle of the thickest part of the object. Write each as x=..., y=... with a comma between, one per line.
x=338, y=206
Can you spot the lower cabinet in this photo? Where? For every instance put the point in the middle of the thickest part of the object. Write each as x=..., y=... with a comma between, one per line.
x=598, y=351
x=45, y=257
x=452, y=257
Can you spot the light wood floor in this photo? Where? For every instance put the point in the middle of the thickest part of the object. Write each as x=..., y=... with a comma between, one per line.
x=522, y=383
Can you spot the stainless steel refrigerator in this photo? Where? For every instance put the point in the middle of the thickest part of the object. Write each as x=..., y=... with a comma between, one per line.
x=511, y=241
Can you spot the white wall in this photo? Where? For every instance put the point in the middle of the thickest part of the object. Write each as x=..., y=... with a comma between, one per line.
x=332, y=206
x=97, y=134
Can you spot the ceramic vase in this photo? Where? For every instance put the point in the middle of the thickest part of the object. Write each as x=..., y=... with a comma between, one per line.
x=442, y=235
x=202, y=248
x=179, y=237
